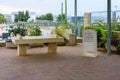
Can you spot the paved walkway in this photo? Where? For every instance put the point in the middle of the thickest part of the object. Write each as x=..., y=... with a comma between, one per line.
x=66, y=65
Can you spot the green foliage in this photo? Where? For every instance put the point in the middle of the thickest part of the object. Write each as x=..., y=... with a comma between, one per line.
x=47, y=16
x=61, y=17
x=118, y=48
x=115, y=26
x=34, y=30
x=101, y=35
x=43, y=17
x=26, y=15
x=102, y=25
x=17, y=30
x=64, y=26
x=81, y=28
x=22, y=16
x=2, y=18
x=61, y=31
x=104, y=35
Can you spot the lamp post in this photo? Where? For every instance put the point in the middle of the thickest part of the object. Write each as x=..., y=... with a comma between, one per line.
x=109, y=26
x=75, y=13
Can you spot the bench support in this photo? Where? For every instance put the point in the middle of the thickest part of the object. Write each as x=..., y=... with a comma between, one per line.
x=21, y=50
x=52, y=48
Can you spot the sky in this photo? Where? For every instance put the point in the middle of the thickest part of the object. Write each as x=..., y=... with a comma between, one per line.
x=54, y=6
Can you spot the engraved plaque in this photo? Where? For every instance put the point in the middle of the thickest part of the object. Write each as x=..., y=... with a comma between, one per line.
x=89, y=43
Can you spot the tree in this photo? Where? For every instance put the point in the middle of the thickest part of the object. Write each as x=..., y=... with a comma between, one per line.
x=38, y=18
x=61, y=17
x=22, y=16
x=47, y=16
x=2, y=18
x=16, y=18
x=27, y=15
x=43, y=17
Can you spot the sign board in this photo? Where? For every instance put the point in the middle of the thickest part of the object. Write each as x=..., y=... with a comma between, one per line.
x=89, y=43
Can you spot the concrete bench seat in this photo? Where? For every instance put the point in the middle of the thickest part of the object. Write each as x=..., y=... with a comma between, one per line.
x=9, y=44
x=24, y=41
x=2, y=43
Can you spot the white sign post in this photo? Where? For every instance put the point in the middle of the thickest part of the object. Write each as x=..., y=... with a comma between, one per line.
x=89, y=43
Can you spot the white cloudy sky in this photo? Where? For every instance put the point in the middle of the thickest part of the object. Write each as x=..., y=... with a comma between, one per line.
x=54, y=6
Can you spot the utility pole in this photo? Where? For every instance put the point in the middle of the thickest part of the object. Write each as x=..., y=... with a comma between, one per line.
x=62, y=8
x=66, y=11
x=62, y=11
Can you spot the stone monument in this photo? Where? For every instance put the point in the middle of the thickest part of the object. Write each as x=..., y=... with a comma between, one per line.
x=89, y=43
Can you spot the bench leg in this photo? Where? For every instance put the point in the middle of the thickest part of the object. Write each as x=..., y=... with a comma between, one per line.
x=21, y=50
x=52, y=48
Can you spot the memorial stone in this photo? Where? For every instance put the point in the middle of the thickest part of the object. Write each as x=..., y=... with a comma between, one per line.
x=89, y=43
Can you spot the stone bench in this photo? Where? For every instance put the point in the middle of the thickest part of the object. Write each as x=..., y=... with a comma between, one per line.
x=9, y=44
x=2, y=43
x=24, y=41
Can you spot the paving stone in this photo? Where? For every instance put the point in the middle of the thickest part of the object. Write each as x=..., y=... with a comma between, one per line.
x=67, y=64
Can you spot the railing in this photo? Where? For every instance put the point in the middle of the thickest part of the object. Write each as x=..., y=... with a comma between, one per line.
x=101, y=16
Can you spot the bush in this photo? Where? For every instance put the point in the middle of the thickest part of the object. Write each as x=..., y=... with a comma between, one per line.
x=118, y=48
x=34, y=30
x=81, y=28
x=101, y=35
x=17, y=30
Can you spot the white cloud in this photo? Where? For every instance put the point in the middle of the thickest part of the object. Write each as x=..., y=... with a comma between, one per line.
x=7, y=9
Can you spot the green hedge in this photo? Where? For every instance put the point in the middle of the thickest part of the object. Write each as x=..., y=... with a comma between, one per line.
x=101, y=35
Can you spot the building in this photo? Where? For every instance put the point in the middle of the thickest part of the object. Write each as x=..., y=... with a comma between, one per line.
x=32, y=16
x=8, y=17
x=79, y=18
x=13, y=15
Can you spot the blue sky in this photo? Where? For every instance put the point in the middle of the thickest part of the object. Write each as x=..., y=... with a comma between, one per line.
x=54, y=6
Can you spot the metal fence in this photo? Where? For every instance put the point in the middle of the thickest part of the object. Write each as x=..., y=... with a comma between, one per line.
x=97, y=17
x=101, y=16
